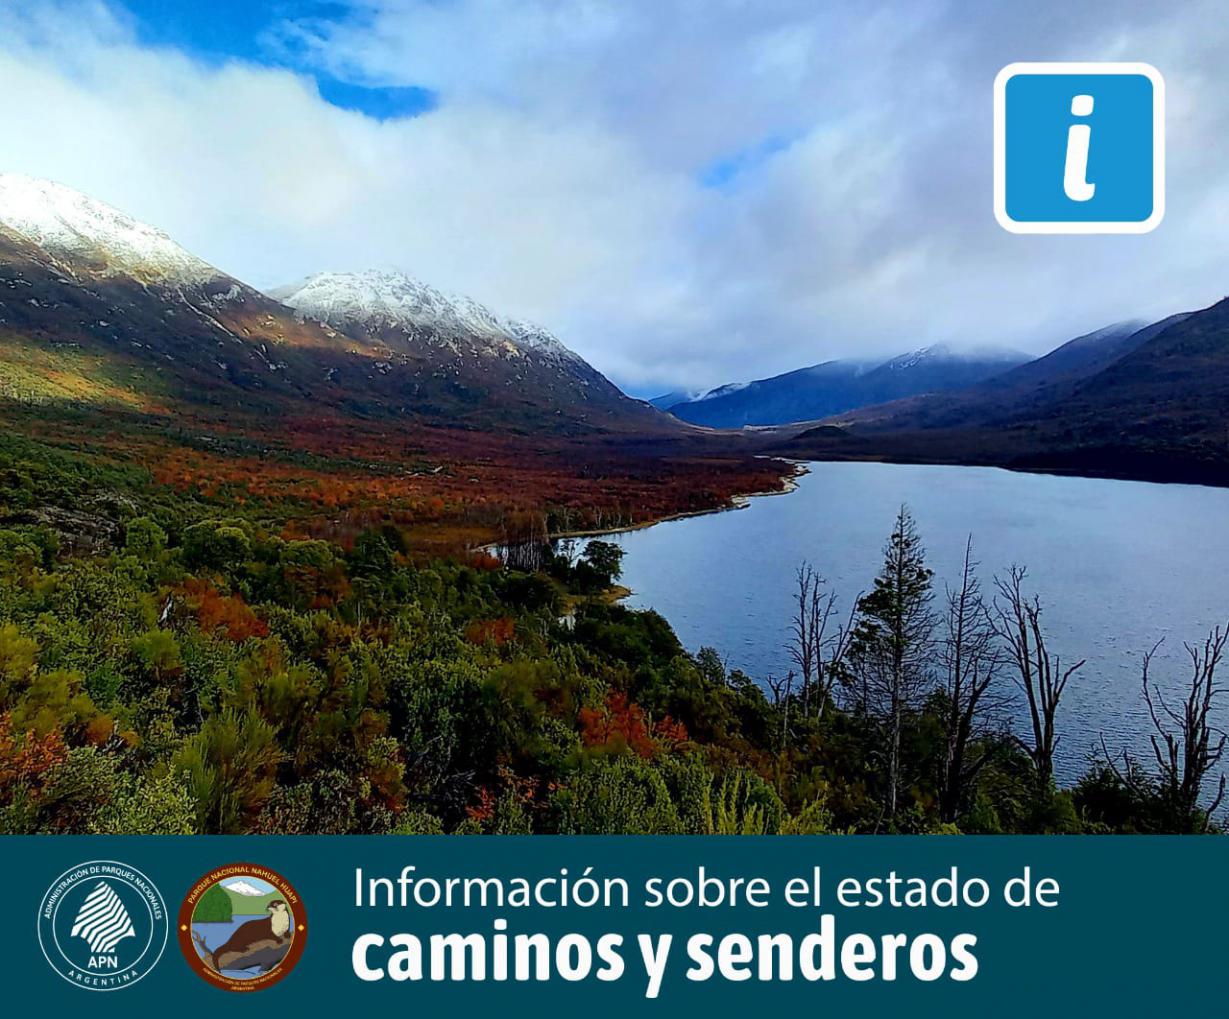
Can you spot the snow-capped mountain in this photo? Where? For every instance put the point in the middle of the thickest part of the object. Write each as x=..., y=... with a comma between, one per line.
x=457, y=354
x=241, y=887
x=145, y=324
x=381, y=302
x=67, y=223
x=943, y=354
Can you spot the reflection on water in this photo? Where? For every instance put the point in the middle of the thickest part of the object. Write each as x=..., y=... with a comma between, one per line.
x=1118, y=565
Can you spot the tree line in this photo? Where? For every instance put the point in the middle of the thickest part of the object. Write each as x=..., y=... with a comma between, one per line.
x=909, y=657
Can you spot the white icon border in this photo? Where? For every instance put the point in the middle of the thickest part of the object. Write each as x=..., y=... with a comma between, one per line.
x=1000, y=148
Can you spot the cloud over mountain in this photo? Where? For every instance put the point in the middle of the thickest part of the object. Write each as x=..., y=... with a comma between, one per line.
x=688, y=193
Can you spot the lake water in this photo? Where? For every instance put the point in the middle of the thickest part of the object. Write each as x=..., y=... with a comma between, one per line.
x=1118, y=565
x=218, y=933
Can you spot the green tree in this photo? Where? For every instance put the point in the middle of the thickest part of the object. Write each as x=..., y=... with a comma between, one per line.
x=598, y=568
x=618, y=796
x=158, y=651
x=230, y=767
x=892, y=645
x=151, y=804
x=214, y=906
x=217, y=545
x=144, y=539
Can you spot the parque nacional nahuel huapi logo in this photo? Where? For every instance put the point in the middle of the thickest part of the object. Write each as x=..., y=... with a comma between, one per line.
x=102, y=925
x=242, y=927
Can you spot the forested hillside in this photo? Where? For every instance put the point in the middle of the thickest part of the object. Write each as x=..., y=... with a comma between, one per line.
x=195, y=667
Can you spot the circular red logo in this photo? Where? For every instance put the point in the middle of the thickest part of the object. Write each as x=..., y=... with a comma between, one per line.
x=242, y=927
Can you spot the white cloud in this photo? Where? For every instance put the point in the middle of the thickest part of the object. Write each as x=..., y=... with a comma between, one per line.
x=560, y=176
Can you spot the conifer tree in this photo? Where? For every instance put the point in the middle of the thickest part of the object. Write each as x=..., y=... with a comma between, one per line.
x=892, y=646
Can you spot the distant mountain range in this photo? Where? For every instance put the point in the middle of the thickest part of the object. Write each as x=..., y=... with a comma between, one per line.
x=1004, y=393
x=673, y=399
x=98, y=308
x=832, y=387
x=1150, y=402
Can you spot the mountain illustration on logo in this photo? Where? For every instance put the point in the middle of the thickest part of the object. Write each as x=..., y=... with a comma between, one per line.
x=243, y=888
x=242, y=927
x=102, y=921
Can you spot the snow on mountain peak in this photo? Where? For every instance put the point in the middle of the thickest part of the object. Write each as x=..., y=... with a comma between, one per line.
x=241, y=887
x=383, y=299
x=720, y=391
x=943, y=352
x=65, y=222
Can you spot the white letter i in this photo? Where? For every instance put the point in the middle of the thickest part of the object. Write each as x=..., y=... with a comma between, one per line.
x=1075, y=178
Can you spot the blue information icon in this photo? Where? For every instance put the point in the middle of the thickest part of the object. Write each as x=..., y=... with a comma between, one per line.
x=1079, y=148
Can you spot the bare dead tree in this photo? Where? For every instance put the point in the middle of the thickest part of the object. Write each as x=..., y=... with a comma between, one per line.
x=567, y=548
x=524, y=541
x=811, y=639
x=835, y=667
x=971, y=660
x=1186, y=745
x=803, y=644
x=1038, y=673
x=782, y=693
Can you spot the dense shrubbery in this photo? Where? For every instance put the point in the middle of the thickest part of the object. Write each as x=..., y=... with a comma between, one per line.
x=207, y=675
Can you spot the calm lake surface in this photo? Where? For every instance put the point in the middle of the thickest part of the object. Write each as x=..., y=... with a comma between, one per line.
x=218, y=933
x=1118, y=565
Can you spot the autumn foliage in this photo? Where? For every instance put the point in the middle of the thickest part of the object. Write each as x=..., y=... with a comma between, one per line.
x=227, y=615
x=621, y=723
x=27, y=758
x=496, y=632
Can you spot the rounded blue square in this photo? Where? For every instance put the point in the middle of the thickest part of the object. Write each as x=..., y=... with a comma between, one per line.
x=1119, y=182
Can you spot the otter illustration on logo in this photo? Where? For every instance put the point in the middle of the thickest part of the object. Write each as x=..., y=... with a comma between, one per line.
x=242, y=927
x=256, y=945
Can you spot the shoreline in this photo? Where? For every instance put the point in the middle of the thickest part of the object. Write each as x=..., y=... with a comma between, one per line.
x=789, y=484
x=740, y=501
x=800, y=467
x=1180, y=472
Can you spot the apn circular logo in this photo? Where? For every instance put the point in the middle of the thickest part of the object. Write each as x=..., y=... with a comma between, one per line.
x=102, y=925
x=242, y=927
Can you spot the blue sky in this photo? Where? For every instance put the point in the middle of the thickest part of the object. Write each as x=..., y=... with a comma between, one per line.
x=725, y=171
x=224, y=30
x=686, y=193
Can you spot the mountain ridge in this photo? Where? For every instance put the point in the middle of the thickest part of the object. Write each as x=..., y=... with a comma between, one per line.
x=387, y=299
x=1002, y=398
x=832, y=387
x=95, y=304
x=70, y=223
x=1148, y=404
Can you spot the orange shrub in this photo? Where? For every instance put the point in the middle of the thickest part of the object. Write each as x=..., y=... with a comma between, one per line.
x=496, y=632
x=215, y=612
x=26, y=758
x=621, y=723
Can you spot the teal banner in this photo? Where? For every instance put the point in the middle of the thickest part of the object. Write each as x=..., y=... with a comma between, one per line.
x=609, y=926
